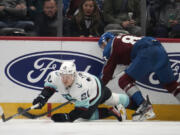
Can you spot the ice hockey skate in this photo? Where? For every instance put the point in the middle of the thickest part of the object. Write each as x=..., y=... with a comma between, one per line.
x=119, y=112
x=144, y=112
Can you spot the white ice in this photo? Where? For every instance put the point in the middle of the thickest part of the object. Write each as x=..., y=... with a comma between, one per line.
x=101, y=127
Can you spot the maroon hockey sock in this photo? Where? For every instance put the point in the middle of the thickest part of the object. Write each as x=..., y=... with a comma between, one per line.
x=126, y=82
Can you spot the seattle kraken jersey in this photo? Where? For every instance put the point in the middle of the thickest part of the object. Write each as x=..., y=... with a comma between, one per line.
x=86, y=89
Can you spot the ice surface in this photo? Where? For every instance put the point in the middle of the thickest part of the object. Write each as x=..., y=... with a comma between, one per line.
x=100, y=127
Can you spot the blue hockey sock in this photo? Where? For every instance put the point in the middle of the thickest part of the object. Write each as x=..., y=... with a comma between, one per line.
x=137, y=98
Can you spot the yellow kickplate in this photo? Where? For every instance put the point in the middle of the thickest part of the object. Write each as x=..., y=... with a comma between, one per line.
x=163, y=112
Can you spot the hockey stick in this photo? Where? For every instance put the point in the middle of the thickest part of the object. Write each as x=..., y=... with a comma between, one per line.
x=17, y=114
x=34, y=116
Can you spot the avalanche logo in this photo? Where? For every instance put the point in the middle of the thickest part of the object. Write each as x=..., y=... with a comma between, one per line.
x=31, y=70
x=151, y=82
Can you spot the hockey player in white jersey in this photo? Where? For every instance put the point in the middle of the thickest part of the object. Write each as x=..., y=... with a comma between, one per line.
x=88, y=92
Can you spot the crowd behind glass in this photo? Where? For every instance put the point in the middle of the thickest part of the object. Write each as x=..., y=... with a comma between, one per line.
x=89, y=18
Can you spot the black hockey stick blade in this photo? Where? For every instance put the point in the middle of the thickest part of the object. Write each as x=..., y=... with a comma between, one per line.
x=2, y=114
x=19, y=113
x=34, y=116
x=27, y=114
x=3, y=117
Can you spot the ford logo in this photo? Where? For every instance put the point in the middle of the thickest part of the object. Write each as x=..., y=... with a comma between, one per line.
x=151, y=82
x=31, y=70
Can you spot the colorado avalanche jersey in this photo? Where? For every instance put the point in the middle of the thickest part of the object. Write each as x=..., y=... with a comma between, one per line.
x=120, y=55
x=86, y=88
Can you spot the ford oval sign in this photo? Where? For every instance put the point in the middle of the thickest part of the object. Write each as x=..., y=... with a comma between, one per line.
x=151, y=82
x=31, y=70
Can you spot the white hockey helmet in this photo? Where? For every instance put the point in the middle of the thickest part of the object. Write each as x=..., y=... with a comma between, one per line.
x=68, y=67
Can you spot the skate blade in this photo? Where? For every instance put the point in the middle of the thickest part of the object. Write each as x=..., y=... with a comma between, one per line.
x=147, y=116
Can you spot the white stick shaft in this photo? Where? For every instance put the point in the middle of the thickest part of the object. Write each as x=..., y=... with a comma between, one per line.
x=34, y=106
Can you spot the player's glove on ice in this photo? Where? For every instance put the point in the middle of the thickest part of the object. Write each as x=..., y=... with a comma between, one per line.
x=41, y=100
x=46, y=93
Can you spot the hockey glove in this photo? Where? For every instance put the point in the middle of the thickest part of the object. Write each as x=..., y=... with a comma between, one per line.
x=41, y=100
x=46, y=93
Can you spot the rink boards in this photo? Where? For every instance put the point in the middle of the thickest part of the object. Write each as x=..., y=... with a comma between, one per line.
x=25, y=63
x=163, y=112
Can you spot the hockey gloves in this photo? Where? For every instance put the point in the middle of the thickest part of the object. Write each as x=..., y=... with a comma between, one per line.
x=43, y=97
x=41, y=100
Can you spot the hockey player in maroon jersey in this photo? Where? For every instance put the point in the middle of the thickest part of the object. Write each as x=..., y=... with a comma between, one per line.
x=142, y=55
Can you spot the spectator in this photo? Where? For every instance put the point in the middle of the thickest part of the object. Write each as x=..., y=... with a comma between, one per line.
x=13, y=15
x=74, y=5
x=168, y=21
x=122, y=15
x=46, y=22
x=87, y=22
x=34, y=7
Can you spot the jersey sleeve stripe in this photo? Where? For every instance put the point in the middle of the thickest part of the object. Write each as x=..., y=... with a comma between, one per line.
x=50, y=85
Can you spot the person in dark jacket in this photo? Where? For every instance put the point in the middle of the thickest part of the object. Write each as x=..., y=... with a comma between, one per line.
x=87, y=22
x=46, y=22
x=13, y=16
